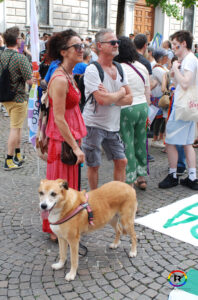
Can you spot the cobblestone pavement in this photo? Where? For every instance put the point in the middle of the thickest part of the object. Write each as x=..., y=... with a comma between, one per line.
x=26, y=253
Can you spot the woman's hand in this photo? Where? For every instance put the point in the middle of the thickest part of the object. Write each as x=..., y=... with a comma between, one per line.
x=80, y=155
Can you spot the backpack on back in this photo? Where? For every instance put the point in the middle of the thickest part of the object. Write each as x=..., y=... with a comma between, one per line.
x=81, y=84
x=6, y=94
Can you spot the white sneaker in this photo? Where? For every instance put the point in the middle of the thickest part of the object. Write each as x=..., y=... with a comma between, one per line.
x=157, y=144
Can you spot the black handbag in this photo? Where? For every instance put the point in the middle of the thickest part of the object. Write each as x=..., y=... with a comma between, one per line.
x=67, y=155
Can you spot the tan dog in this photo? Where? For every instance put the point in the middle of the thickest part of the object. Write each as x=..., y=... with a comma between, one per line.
x=113, y=202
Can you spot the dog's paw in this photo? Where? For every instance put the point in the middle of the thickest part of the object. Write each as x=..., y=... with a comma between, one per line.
x=70, y=276
x=114, y=246
x=58, y=265
x=132, y=253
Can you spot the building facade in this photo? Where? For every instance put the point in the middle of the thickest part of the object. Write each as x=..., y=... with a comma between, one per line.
x=88, y=16
x=84, y=16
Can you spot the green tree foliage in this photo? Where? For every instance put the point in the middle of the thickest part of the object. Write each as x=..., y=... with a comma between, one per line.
x=174, y=8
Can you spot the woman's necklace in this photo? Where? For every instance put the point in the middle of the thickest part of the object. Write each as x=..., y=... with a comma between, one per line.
x=70, y=77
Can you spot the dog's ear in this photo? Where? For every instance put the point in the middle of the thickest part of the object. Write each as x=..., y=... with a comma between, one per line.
x=65, y=185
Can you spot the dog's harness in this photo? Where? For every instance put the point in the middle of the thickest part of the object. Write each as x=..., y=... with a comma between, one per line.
x=76, y=211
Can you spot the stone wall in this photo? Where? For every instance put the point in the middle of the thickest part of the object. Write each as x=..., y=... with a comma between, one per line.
x=64, y=14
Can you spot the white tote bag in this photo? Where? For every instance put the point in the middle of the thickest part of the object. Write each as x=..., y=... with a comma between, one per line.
x=186, y=105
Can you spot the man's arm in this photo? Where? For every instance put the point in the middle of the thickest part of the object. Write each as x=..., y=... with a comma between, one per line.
x=127, y=99
x=185, y=79
x=103, y=97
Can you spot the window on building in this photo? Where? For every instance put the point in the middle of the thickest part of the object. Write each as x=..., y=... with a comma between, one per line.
x=99, y=14
x=43, y=11
x=188, y=19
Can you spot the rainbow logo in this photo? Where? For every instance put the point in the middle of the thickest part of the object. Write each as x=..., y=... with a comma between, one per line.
x=177, y=278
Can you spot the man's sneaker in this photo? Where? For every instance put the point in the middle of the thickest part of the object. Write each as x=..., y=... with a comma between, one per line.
x=10, y=165
x=181, y=171
x=192, y=184
x=151, y=158
x=19, y=159
x=168, y=182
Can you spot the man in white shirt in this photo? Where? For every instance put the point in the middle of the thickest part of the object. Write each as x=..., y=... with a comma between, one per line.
x=181, y=132
x=102, y=114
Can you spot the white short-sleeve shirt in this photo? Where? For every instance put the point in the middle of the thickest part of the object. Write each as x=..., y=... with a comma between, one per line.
x=106, y=117
x=136, y=83
x=189, y=63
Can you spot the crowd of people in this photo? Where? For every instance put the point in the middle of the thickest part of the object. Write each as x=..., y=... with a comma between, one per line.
x=122, y=78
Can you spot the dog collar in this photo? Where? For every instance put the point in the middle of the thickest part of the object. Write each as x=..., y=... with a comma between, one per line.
x=76, y=211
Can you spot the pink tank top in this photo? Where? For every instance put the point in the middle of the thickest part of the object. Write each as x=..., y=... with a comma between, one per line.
x=73, y=116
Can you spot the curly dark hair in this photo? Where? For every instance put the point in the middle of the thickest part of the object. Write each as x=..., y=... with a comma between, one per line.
x=11, y=35
x=59, y=42
x=127, y=51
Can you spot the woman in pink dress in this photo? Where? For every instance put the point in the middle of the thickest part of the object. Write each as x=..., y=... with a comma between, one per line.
x=65, y=121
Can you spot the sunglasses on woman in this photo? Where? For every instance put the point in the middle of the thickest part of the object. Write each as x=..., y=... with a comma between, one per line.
x=112, y=43
x=78, y=47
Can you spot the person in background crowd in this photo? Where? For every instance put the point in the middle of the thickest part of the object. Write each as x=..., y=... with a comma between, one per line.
x=53, y=66
x=65, y=121
x=2, y=45
x=131, y=36
x=133, y=117
x=141, y=42
x=80, y=68
x=167, y=46
x=21, y=49
x=151, y=59
x=2, y=48
x=94, y=53
x=88, y=41
x=102, y=115
x=27, y=47
x=196, y=50
x=160, y=56
x=20, y=72
x=43, y=41
x=181, y=132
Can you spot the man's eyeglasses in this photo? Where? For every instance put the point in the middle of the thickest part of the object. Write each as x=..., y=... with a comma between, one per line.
x=112, y=43
x=78, y=47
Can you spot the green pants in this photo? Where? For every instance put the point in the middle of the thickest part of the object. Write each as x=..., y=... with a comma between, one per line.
x=133, y=134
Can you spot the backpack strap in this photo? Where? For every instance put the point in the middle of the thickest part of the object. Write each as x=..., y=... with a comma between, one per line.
x=101, y=71
x=3, y=68
x=120, y=70
x=99, y=68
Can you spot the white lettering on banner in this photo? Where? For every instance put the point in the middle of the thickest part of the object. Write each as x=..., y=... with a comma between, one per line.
x=33, y=113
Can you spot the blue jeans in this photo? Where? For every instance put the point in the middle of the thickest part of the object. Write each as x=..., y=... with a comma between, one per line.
x=181, y=156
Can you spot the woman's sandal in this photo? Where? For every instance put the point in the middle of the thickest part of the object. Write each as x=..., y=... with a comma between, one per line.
x=141, y=184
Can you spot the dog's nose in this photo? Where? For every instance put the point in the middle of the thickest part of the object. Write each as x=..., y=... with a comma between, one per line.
x=43, y=206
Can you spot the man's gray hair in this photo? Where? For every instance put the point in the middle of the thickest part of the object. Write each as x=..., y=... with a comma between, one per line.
x=99, y=35
x=87, y=52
